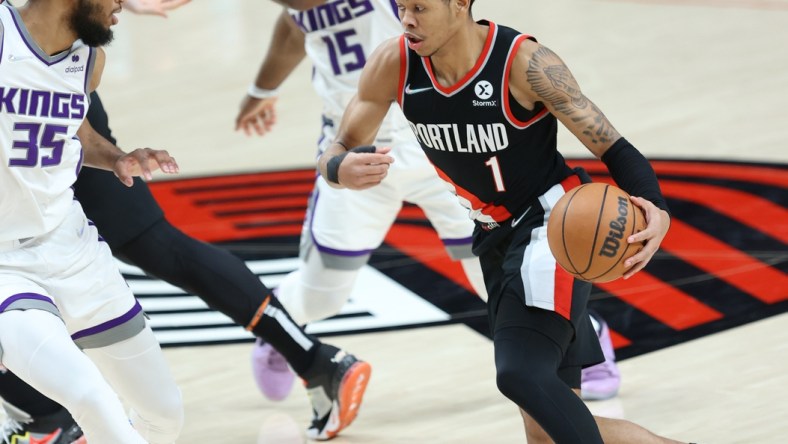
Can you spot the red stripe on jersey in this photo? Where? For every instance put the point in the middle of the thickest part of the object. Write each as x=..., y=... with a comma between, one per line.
x=403, y=70
x=562, y=293
x=499, y=214
x=505, y=90
x=471, y=74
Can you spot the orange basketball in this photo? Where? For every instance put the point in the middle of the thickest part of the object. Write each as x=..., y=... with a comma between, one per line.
x=588, y=230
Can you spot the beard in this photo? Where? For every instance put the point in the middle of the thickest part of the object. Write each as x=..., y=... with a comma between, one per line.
x=87, y=27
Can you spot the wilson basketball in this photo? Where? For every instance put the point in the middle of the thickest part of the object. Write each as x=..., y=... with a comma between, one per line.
x=588, y=230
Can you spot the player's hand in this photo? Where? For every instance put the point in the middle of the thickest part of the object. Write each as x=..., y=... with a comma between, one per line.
x=359, y=171
x=658, y=222
x=142, y=162
x=258, y=115
x=153, y=7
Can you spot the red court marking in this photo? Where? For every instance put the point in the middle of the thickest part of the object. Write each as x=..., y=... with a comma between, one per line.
x=765, y=175
x=661, y=301
x=618, y=339
x=749, y=209
x=744, y=272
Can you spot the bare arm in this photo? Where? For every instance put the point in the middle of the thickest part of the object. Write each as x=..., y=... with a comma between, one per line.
x=377, y=90
x=539, y=75
x=284, y=54
x=548, y=80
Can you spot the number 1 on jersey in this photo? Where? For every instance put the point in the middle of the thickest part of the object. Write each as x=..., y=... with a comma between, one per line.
x=496, y=172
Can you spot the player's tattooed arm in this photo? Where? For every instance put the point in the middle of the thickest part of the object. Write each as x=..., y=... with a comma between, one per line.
x=553, y=83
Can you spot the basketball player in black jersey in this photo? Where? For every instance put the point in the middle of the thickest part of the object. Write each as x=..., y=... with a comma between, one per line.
x=484, y=102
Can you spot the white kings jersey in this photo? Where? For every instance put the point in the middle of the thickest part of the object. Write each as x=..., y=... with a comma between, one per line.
x=340, y=37
x=43, y=101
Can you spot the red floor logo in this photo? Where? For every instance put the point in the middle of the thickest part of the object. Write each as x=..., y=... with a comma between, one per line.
x=724, y=262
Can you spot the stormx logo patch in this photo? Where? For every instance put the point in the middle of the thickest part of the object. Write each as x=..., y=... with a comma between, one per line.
x=484, y=90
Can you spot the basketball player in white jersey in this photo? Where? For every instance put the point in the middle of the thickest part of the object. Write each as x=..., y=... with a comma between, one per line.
x=338, y=36
x=59, y=287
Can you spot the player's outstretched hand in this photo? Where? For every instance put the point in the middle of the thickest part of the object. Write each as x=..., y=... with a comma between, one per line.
x=658, y=223
x=142, y=162
x=258, y=115
x=153, y=7
x=362, y=170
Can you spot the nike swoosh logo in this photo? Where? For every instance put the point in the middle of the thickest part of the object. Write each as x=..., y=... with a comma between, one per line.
x=408, y=90
x=517, y=220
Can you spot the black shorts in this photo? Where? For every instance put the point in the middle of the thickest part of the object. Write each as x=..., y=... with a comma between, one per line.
x=119, y=212
x=528, y=289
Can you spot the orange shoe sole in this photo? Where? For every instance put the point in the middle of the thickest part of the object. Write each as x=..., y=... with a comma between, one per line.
x=351, y=392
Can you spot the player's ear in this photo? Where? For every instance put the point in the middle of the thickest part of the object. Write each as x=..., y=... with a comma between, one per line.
x=463, y=4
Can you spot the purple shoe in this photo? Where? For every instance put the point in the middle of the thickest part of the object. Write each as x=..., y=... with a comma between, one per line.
x=601, y=381
x=273, y=376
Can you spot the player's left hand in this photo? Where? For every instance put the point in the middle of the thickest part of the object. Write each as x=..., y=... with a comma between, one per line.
x=142, y=162
x=658, y=223
x=153, y=7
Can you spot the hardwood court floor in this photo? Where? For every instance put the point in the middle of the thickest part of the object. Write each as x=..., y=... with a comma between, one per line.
x=700, y=79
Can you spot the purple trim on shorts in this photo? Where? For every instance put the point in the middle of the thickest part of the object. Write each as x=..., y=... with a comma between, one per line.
x=330, y=250
x=460, y=241
x=19, y=296
x=109, y=324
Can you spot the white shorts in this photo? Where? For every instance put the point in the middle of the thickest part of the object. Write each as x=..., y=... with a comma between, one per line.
x=347, y=225
x=70, y=272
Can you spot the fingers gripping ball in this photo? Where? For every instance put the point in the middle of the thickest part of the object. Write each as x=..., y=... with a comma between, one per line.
x=588, y=230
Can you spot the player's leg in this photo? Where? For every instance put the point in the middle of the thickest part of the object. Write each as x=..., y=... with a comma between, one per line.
x=418, y=183
x=107, y=322
x=341, y=229
x=37, y=347
x=452, y=224
x=44, y=420
x=530, y=344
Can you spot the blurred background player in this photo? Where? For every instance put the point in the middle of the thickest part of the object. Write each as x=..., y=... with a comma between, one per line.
x=333, y=251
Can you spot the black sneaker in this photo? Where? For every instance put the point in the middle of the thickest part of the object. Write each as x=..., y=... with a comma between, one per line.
x=336, y=390
x=57, y=428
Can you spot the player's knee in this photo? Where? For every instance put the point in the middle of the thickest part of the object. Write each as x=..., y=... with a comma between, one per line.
x=521, y=385
x=162, y=421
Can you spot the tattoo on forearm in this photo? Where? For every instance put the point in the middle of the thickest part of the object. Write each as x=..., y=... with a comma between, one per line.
x=551, y=80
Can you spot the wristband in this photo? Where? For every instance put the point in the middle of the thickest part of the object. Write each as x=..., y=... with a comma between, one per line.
x=260, y=93
x=332, y=166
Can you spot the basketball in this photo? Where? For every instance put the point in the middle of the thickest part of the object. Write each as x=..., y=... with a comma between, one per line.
x=588, y=230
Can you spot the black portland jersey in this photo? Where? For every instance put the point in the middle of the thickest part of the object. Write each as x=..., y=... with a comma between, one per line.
x=498, y=155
